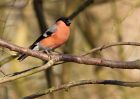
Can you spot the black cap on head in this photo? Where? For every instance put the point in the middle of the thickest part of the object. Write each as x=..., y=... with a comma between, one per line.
x=67, y=21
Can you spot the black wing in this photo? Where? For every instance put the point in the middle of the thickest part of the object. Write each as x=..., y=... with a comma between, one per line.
x=48, y=33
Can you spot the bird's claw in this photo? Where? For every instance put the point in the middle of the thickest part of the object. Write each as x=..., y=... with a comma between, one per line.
x=48, y=52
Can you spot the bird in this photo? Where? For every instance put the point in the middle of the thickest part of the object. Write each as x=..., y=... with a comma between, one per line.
x=55, y=36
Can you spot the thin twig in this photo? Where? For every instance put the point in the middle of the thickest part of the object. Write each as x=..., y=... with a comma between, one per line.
x=30, y=69
x=110, y=45
x=82, y=82
x=27, y=73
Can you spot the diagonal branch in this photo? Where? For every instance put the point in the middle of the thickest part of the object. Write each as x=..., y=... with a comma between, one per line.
x=29, y=52
x=30, y=72
x=77, y=59
x=83, y=82
x=85, y=4
x=110, y=45
x=66, y=58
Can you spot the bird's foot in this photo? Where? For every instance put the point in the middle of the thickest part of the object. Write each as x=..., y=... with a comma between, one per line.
x=56, y=52
x=48, y=51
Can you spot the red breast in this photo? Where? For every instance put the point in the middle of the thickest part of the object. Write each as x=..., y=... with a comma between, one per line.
x=58, y=38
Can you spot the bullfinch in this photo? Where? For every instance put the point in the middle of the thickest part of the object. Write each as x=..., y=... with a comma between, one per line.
x=54, y=37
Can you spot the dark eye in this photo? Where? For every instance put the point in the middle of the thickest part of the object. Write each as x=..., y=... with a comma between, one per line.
x=49, y=33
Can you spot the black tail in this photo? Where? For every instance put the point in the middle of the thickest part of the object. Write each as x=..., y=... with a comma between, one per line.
x=22, y=57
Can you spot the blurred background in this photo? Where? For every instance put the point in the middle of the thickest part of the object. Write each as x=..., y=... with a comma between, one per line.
x=103, y=22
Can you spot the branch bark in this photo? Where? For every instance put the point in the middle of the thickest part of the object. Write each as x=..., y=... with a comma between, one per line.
x=30, y=72
x=66, y=58
x=77, y=59
x=83, y=82
x=110, y=45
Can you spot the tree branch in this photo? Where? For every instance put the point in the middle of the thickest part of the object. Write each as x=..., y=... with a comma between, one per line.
x=29, y=52
x=84, y=4
x=29, y=72
x=110, y=45
x=83, y=82
x=77, y=59
x=66, y=58
x=39, y=11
